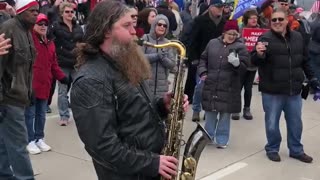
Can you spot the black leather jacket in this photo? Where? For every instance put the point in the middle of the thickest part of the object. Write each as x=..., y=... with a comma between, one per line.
x=119, y=124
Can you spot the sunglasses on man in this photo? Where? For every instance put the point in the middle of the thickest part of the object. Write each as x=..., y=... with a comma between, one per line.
x=277, y=19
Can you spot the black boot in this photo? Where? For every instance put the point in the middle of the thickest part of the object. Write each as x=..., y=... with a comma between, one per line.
x=235, y=116
x=247, y=114
x=196, y=117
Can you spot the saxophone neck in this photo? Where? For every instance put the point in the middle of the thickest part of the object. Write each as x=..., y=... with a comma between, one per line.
x=176, y=44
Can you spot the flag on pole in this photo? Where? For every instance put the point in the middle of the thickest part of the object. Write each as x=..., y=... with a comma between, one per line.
x=315, y=7
x=240, y=6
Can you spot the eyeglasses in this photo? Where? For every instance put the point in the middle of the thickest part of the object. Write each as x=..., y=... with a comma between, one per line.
x=284, y=4
x=163, y=25
x=233, y=34
x=67, y=12
x=277, y=19
x=134, y=16
x=42, y=24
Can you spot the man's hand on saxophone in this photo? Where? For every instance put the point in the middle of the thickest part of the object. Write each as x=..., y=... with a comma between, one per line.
x=168, y=166
x=167, y=98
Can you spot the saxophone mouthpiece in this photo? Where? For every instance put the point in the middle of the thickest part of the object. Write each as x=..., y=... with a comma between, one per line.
x=140, y=42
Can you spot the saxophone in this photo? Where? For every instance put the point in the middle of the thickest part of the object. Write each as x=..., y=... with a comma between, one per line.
x=199, y=137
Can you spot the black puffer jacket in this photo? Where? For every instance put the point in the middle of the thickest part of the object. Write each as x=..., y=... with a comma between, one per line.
x=65, y=42
x=222, y=90
x=203, y=30
x=282, y=68
x=118, y=123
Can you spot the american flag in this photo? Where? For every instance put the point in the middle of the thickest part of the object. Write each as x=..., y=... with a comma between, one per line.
x=315, y=7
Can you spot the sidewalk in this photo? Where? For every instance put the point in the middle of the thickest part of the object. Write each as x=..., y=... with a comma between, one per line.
x=244, y=159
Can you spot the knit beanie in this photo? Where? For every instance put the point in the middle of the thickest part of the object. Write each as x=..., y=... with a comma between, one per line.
x=23, y=5
x=231, y=25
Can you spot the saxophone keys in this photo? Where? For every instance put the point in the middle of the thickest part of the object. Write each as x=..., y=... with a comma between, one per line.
x=186, y=176
x=190, y=163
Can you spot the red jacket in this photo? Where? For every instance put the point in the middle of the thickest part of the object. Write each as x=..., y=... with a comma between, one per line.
x=45, y=67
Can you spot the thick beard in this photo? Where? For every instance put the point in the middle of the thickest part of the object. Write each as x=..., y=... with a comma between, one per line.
x=131, y=61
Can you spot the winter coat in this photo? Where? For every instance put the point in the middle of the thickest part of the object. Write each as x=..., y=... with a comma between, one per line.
x=16, y=66
x=284, y=65
x=160, y=65
x=65, y=42
x=186, y=16
x=314, y=46
x=187, y=27
x=177, y=32
x=45, y=67
x=203, y=30
x=222, y=87
x=119, y=124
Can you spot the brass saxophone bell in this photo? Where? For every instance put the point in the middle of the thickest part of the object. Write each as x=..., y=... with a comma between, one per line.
x=190, y=163
x=186, y=176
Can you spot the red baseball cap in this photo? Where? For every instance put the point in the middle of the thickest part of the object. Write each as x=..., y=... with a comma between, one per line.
x=42, y=17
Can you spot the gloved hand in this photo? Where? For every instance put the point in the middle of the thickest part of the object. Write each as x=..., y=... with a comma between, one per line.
x=162, y=54
x=65, y=80
x=234, y=59
x=316, y=95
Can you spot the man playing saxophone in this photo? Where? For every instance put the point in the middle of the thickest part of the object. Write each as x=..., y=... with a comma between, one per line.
x=119, y=123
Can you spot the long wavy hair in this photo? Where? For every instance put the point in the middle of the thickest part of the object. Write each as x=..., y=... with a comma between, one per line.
x=143, y=19
x=100, y=22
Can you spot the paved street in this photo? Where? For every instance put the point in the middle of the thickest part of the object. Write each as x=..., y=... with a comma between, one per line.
x=244, y=159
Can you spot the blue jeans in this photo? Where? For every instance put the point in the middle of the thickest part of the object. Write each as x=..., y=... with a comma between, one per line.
x=273, y=106
x=197, y=96
x=63, y=99
x=14, y=158
x=35, y=119
x=218, y=128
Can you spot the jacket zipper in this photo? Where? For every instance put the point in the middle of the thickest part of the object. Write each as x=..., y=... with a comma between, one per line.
x=290, y=64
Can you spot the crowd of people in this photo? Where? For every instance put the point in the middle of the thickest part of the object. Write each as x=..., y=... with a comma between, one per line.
x=119, y=91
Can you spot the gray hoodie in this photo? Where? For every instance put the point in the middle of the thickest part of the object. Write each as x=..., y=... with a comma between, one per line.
x=161, y=59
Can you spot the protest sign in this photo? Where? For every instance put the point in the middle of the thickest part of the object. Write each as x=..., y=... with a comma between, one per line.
x=251, y=36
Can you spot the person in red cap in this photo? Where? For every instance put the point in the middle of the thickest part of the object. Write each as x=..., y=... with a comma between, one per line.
x=45, y=68
x=220, y=65
x=16, y=91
